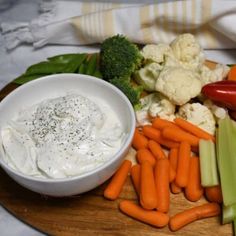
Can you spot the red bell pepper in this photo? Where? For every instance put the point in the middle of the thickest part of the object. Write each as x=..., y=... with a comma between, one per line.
x=222, y=93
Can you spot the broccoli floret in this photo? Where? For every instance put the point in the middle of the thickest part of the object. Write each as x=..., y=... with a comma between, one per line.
x=119, y=58
x=133, y=93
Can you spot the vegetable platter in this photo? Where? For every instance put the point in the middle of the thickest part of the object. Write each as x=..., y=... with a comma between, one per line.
x=91, y=213
x=136, y=75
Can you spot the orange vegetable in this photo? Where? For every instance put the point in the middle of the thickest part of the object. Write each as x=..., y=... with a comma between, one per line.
x=214, y=194
x=162, y=179
x=167, y=143
x=162, y=123
x=114, y=188
x=145, y=155
x=135, y=175
x=172, y=174
x=193, y=129
x=156, y=149
x=139, y=140
x=154, y=218
x=155, y=134
x=174, y=188
x=194, y=190
x=148, y=194
x=232, y=73
x=196, y=213
x=179, y=135
x=182, y=172
x=173, y=158
x=151, y=132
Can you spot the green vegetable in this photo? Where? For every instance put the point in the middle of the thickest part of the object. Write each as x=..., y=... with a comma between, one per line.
x=26, y=78
x=208, y=163
x=133, y=93
x=147, y=76
x=64, y=63
x=119, y=58
x=45, y=67
x=52, y=67
x=66, y=58
x=97, y=74
x=82, y=69
x=226, y=150
x=229, y=214
x=92, y=65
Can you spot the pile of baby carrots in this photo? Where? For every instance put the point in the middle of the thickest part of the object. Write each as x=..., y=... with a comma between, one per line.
x=167, y=156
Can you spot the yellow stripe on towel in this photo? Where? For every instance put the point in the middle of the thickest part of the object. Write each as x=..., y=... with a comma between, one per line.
x=193, y=14
x=146, y=24
x=108, y=24
x=184, y=16
x=206, y=16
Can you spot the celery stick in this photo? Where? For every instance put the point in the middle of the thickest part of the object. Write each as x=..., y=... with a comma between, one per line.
x=229, y=214
x=234, y=226
x=226, y=149
x=208, y=163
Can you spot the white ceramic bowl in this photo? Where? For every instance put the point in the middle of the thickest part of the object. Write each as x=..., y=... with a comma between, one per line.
x=54, y=86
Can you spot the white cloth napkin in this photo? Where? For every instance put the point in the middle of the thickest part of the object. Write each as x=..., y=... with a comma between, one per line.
x=82, y=23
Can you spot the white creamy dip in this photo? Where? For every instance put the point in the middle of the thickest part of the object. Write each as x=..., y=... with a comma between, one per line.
x=62, y=137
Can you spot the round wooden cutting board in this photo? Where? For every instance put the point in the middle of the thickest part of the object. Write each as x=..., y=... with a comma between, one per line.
x=90, y=214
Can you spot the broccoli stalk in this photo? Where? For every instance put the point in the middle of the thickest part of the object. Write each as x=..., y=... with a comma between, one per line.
x=132, y=93
x=119, y=58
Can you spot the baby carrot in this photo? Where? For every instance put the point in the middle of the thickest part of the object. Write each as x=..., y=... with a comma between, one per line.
x=155, y=134
x=135, y=175
x=145, y=155
x=156, y=149
x=196, y=213
x=162, y=123
x=167, y=142
x=139, y=140
x=148, y=194
x=151, y=132
x=194, y=190
x=193, y=129
x=162, y=170
x=174, y=188
x=154, y=218
x=172, y=174
x=114, y=188
x=179, y=135
x=232, y=73
x=173, y=158
x=182, y=171
x=214, y=194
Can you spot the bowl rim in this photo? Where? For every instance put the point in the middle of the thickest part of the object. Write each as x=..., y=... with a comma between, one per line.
x=126, y=144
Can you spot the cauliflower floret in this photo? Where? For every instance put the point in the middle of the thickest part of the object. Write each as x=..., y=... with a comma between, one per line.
x=199, y=115
x=209, y=76
x=142, y=116
x=154, y=105
x=188, y=51
x=148, y=75
x=178, y=84
x=218, y=112
x=163, y=108
x=156, y=52
x=171, y=61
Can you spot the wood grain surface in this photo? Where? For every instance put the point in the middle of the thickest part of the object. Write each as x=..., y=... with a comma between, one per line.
x=90, y=214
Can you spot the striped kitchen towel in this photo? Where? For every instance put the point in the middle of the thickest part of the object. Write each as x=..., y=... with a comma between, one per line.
x=82, y=23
